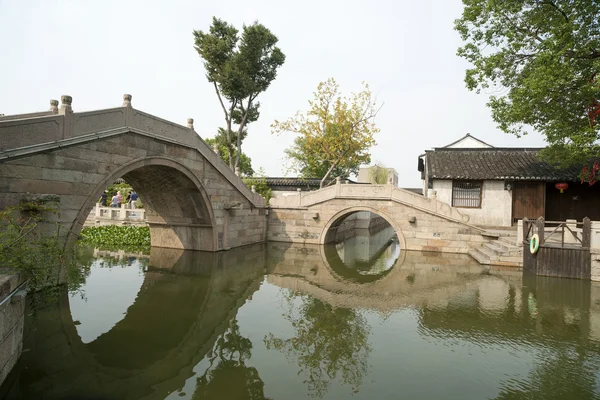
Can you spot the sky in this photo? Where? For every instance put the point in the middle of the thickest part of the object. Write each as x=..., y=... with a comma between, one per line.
x=405, y=50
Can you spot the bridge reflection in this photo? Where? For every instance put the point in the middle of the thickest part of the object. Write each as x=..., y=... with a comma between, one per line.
x=182, y=332
x=170, y=327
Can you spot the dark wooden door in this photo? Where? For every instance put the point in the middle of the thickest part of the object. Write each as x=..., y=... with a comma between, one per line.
x=528, y=200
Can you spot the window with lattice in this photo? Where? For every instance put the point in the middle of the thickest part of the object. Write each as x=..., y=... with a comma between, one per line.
x=466, y=194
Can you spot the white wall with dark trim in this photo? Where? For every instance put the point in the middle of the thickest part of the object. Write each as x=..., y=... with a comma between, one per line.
x=496, y=202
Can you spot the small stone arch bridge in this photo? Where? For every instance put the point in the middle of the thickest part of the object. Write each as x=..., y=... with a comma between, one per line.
x=193, y=200
x=421, y=223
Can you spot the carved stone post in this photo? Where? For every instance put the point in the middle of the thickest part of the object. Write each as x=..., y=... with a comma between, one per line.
x=126, y=100
x=54, y=106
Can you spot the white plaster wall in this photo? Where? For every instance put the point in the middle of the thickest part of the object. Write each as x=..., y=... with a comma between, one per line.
x=496, y=203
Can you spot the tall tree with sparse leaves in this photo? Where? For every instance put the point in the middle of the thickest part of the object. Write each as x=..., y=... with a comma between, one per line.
x=225, y=149
x=336, y=131
x=240, y=68
x=544, y=56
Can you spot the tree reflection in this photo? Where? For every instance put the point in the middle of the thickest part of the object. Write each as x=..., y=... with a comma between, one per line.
x=328, y=341
x=230, y=378
x=566, y=374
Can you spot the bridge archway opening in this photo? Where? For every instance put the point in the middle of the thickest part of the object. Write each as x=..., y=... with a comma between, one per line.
x=361, y=244
x=177, y=208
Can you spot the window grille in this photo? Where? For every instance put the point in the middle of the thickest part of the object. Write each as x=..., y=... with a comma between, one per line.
x=466, y=194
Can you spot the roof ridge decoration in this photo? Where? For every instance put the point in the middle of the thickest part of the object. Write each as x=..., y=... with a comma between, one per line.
x=468, y=135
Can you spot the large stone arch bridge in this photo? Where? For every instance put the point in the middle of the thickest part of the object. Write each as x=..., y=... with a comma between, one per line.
x=193, y=200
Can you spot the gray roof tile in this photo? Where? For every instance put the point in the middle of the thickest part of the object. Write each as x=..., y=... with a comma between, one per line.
x=495, y=163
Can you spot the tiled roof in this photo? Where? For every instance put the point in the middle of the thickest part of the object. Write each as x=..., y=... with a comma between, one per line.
x=298, y=182
x=495, y=163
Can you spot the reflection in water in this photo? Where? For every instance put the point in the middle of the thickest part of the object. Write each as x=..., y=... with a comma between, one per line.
x=286, y=321
x=326, y=342
x=96, y=313
x=227, y=376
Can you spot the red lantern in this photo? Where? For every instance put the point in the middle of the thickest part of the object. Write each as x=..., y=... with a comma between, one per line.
x=562, y=186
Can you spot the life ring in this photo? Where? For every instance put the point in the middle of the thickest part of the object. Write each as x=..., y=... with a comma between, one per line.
x=534, y=244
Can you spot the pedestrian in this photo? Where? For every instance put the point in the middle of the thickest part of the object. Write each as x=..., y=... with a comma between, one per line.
x=128, y=199
x=104, y=198
x=134, y=198
x=119, y=199
x=114, y=202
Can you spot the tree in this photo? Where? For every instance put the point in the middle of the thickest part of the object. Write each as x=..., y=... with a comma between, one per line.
x=225, y=149
x=313, y=165
x=240, y=69
x=378, y=174
x=335, y=131
x=547, y=55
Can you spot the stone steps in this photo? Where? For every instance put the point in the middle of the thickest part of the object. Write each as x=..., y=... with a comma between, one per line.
x=479, y=256
x=499, y=250
x=503, y=249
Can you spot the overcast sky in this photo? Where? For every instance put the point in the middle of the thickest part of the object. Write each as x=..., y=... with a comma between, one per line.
x=96, y=51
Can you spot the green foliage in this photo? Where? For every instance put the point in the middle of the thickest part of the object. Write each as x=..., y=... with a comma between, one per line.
x=260, y=185
x=240, y=68
x=378, y=174
x=312, y=165
x=336, y=131
x=124, y=188
x=33, y=244
x=245, y=163
x=328, y=341
x=545, y=56
x=117, y=236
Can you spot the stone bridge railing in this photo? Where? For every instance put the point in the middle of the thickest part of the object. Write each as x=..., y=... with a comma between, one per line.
x=370, y=192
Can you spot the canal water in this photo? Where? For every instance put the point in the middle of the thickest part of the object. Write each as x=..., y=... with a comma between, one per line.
x=358, y=319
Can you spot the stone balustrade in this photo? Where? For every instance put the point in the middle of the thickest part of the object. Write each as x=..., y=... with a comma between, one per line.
x=122, y=213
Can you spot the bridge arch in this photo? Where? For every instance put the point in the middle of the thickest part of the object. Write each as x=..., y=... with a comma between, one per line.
x=337, y=219
x=178, y=208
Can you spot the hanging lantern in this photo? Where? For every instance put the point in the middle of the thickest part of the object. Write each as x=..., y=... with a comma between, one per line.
x=562, y=186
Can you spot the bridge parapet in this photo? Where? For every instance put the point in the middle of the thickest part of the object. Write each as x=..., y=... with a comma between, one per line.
x=33, y=133
x=370, y=192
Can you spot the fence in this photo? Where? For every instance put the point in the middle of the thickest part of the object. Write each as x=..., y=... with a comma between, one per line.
x=563, y=252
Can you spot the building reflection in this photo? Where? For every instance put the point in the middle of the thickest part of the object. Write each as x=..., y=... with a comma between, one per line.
x=185, y=315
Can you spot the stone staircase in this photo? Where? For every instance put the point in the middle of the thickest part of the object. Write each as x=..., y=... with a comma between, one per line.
x=499, y=250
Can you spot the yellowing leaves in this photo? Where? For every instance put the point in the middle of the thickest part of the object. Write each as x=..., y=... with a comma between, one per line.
x=337, y=130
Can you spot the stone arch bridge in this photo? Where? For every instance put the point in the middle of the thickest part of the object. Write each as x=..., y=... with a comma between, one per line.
x=421, y=223
x=193, y=200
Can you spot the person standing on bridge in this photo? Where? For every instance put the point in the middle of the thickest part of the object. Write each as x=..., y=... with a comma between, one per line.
x=133, y=199
x=104, y=198
x=114, y=201
x=119, y=199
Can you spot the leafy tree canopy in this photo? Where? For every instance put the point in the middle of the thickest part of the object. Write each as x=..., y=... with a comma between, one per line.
x=240, y=68
x=545, y=54
x=336, y=132
x=225, y=149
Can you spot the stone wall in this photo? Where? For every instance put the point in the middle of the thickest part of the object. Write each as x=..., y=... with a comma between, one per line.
x=496, y=203
x=12, y=315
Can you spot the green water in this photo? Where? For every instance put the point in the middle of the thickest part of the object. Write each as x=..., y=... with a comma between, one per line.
x=358, y=320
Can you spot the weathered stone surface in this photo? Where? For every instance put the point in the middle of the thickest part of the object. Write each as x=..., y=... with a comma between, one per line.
x=183, y=184
x=437, y=227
